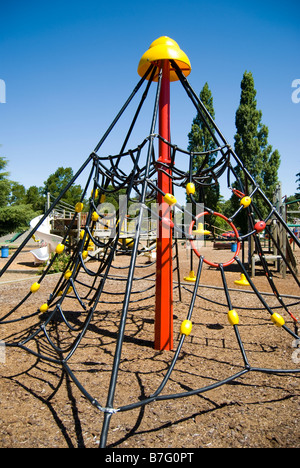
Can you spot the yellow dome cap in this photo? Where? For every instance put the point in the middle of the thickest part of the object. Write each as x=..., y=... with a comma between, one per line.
x=165, y=48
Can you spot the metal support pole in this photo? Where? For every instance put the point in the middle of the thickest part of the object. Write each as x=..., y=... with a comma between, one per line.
x=164, y=268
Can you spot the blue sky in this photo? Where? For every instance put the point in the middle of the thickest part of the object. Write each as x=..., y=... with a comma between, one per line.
x=70, y=65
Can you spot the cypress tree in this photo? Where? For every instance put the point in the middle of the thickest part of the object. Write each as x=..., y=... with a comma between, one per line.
x=247, y=121
x=298, y=182
x=252, y=147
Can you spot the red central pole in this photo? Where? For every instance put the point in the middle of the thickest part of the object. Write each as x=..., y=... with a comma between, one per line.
x=164, y=265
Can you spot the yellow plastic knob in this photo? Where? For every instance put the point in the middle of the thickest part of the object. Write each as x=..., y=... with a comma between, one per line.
x=44, y=308
x=91, y=246
x=170, y=199
x=35, y=287
x=95, y=216
x=79, y=207
x=96, y=192
x=245, y=202
x=190, y=188
x=277, y=320
x=60, y=248
x=85, y=254
x=233, y=317
x=68, y=274
x=186, y=327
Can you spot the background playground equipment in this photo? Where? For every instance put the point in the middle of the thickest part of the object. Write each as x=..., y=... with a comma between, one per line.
x=148, y=173
x=275, y=247
x=4, y=251
x=49, y=241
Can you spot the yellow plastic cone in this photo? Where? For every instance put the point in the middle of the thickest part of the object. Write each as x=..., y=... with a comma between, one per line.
x=191, y=278
x=243, y=281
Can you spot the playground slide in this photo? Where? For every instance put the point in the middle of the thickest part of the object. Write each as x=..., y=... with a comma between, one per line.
x=42, y=254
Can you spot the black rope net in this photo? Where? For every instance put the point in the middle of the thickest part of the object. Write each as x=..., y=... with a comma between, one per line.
x=60, y=315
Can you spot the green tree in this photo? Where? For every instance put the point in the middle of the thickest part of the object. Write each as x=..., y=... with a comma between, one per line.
x=15, y=214
x=58, y=181
x=200, y=140
x=17, y=194
x=15, y=218
x=247, y=121
x=35, y=198
x=271, y=163
x=4, y=183
x=252, y=147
